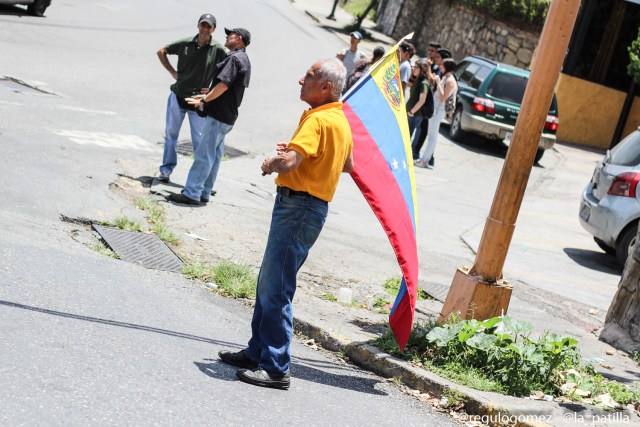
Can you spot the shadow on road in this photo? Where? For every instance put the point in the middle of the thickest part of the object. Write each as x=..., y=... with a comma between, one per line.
x=115, y=323
x=477, y=144
x=216, y=369
x=593, y=260
x=13, y=10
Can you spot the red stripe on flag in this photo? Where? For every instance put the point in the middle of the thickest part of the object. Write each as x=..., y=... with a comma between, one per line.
x=373, y=176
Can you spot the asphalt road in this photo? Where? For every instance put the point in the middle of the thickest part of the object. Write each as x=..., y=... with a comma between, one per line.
x=89, y=340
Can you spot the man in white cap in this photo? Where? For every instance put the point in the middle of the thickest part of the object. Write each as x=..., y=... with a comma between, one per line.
x=197, y=57
x=350, y=57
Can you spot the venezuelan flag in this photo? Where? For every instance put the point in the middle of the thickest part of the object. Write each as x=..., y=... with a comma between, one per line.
x=383, y=170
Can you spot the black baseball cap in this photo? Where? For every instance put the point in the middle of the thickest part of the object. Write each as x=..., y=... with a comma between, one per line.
x=242, y=32
x=208, y=18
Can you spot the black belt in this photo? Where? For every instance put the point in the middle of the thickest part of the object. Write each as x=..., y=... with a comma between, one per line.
x=289, y=192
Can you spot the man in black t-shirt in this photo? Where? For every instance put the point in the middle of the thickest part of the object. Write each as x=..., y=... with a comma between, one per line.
x=197, y=57
x=220, y=105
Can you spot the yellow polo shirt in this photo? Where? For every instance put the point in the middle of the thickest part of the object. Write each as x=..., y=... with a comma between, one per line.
x=323, y=138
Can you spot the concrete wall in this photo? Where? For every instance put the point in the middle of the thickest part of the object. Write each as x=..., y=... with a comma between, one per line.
x=462, y=31
x=589, y=112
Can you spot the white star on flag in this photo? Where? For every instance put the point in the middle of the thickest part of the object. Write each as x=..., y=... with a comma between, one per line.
x=395, y=164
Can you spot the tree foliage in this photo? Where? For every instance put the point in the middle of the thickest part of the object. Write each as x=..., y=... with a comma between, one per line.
x=531, y=12
x=634, y=59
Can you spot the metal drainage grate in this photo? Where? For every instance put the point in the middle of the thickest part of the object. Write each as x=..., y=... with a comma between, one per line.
x=186, y=147
x=436, y=290
x=146, y=250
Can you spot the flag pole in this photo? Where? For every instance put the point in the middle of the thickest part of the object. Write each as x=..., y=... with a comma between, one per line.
x=480, y=292
x=363, y=78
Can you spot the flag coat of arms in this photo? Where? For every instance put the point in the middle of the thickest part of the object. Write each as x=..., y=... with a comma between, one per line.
x=383, y=171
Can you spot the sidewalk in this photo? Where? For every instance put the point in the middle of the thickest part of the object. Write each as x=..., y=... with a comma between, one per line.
x=348, y=328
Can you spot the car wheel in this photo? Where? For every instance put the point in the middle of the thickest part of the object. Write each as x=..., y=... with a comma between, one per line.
x=455, y=130
x=626, y=241
x=38, y=7
x=539, y=154
x=606, y=248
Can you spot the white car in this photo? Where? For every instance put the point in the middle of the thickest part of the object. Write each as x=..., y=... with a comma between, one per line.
x=610, y=207
x=34, y=7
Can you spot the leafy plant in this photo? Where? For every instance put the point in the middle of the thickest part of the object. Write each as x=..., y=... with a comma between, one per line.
x=381, y=304
x=527, y=11
x=634, y=59
x=500, y=355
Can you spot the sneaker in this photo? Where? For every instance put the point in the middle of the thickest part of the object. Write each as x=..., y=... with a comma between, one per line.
x=262, y=378
x=237, y=358
x=181, y=198
x=164, y=177
x=420, y=163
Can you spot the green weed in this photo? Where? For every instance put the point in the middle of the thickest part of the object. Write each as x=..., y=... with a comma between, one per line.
x=329, y=297
x=235, y=280
x=500, y=355
x=125, y=223
x=103, y=250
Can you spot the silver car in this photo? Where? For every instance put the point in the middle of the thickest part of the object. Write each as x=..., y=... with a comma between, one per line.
x=34, y=7
x=610, y=206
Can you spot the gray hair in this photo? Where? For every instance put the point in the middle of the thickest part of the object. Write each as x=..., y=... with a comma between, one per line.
x=332, y=70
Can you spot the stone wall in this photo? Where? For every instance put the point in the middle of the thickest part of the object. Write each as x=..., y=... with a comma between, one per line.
x=462, y=31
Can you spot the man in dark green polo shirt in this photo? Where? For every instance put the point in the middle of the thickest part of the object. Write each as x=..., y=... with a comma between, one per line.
x=197, y=59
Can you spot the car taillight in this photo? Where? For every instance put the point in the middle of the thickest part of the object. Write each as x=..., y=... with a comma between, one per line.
x=551, y=123
x=625, y=184
x=483, y=105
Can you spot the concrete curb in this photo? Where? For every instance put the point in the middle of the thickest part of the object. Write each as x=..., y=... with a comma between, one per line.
x=496, y=409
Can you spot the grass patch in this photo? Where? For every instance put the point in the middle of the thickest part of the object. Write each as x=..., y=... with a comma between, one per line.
x=235, y=280
x=500, y=355
x=102, y=249
x=329, y=297
x=392, y=286
x=156, y=218
x=125, y=223
x=357, y=8
x=380, y=305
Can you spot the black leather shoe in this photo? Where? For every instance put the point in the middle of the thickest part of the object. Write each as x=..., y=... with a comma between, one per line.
x=204, y=201
x=181, y=198
x=237, y=358
x=262, y=378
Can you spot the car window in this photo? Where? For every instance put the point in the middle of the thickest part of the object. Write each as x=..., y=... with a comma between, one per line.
x=507, y=87
x=467, y=73
x=479, y=77
x=627, y=152
x=460, y=70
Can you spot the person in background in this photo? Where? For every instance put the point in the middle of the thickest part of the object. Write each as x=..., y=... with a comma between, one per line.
x=437, y=57
x=406, y=51
x=351, y=56
x=420, y=104
x=309, y=168
x=220, y=106
x=432, y=49
x=363, y=66
x=196, y=59
x=444, y=88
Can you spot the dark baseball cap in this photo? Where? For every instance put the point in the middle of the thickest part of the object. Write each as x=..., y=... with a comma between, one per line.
x=242, y=32
x=208, y=18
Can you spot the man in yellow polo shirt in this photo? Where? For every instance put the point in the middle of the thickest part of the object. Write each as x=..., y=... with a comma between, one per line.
x=308, y=168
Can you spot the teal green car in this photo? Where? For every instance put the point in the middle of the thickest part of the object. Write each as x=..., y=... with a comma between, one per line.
x=488, y=104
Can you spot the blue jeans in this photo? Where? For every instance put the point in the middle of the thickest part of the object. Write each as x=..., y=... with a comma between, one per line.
x=296, y=223
x=207, y=159
x=414, y=122
x=175, y=117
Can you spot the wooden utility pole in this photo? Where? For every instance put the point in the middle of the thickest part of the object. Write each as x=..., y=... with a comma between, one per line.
x=480, y=292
